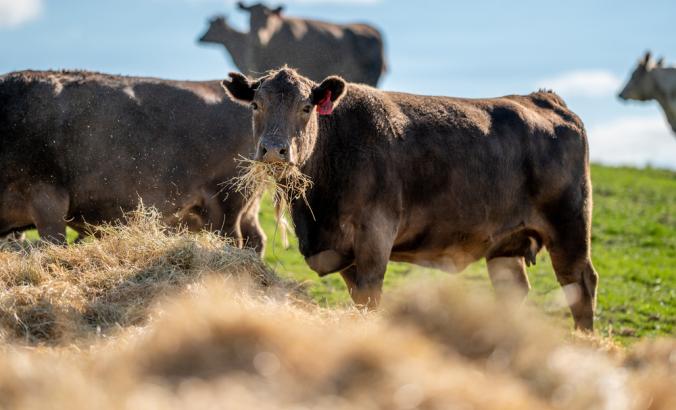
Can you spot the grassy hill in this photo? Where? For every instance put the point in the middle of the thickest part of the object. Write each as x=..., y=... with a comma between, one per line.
x=634, y=251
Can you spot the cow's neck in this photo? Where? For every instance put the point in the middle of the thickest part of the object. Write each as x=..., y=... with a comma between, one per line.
x=665, y=99
x=341, y=143
x=236, y=43
x=669, y=107
x=322, y=199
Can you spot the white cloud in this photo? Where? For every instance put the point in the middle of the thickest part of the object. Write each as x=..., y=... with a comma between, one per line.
x=14, y=13
x=585, y=83
x=637, y=141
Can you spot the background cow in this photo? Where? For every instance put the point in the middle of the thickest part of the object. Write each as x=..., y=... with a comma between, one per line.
x=435, y=181
x=653, y=81
x=316, y=48
x=84, y=147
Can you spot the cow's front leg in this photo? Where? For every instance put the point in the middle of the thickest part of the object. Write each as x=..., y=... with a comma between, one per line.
x=48, y=207
x=372, y=248
x=365, y=290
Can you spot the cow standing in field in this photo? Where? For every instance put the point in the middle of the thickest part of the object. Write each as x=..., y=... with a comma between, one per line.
x=316, y=48
x=81, y=147
x=653, y=81
x=435, y=181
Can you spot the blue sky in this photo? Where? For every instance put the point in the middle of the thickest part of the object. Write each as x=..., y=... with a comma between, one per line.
x=585, y=50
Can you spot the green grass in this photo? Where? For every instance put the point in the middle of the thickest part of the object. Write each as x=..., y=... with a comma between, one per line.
x=633, y=249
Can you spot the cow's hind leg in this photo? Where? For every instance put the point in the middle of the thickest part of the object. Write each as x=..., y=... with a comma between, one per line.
x=508, y=276
x=569, y=248
x=577, y=276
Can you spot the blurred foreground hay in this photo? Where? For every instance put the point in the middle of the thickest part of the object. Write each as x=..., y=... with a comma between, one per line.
x=189, y=322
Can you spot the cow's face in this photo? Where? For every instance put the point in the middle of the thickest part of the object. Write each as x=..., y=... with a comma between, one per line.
x=640, y=86
x=260, y=14
x=216, y=31
x=285, y=107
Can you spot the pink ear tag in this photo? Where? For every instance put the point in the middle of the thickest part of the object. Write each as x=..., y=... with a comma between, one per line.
x=325, y=106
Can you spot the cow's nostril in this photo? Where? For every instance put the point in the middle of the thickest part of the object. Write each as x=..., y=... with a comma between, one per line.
x=282, y=151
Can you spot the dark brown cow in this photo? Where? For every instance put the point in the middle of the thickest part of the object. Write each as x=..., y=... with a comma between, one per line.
x=315, y=48
x=434, y=181
x=84, y=147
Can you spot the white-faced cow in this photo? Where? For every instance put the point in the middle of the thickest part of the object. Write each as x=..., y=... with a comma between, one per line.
x=653, y=81
x=316, y=48
x=434, y=181
x=81, y=147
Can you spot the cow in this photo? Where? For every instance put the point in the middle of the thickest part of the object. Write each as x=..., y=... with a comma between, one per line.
x=435, y=181
x=653, y=81
x=316, y=48
x=82, y=148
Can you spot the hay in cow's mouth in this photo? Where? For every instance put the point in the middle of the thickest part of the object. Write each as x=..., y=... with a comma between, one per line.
x=286, y=180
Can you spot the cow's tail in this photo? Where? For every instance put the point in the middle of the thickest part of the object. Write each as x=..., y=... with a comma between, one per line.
x=282, y=224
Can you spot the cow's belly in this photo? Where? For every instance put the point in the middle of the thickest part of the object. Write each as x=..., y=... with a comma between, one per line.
x=453, y=259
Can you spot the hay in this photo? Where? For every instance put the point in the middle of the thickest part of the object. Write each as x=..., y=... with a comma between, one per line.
x=226, y=344
x=149, y=318
x=57, y=294
x=286, y=181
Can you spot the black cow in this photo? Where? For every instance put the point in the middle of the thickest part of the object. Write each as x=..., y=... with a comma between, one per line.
x=81, y=147
x=435, y=181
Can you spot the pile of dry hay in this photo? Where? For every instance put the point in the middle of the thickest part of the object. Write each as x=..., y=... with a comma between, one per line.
x=55, y=294
x=240, y=339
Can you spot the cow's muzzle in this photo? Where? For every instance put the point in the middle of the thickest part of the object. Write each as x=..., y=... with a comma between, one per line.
x=273, y=151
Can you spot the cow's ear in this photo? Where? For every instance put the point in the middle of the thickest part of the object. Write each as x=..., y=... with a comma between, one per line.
x=660, y=62
x=327, y=94
x=646, y=58
x=239, y=88
x=278, y=10
x=242, y=6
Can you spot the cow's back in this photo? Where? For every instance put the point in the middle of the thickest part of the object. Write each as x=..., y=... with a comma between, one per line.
x=506, y=153
x=357, y=52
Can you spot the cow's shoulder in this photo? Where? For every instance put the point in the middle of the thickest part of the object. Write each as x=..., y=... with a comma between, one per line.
x=376, y=112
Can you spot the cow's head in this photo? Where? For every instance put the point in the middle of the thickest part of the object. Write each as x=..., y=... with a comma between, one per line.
x=217, y=30
x=641, y=85
x=260, y=13
x=285, y=107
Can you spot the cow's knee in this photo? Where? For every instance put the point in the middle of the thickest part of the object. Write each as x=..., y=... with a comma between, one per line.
x=509, y=277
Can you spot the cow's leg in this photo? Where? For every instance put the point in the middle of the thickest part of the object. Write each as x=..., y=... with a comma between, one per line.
x=372, y=248
x=577, y=276
x=253, y=235
x=48, y=208
x=569, y=248
x=223, y=215
x=508, y=276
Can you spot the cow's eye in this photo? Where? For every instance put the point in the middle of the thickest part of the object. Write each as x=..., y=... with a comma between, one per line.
x=254, y=106
x=307, y=109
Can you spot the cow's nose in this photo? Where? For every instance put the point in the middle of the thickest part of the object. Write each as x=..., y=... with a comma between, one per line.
x=273, y=151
